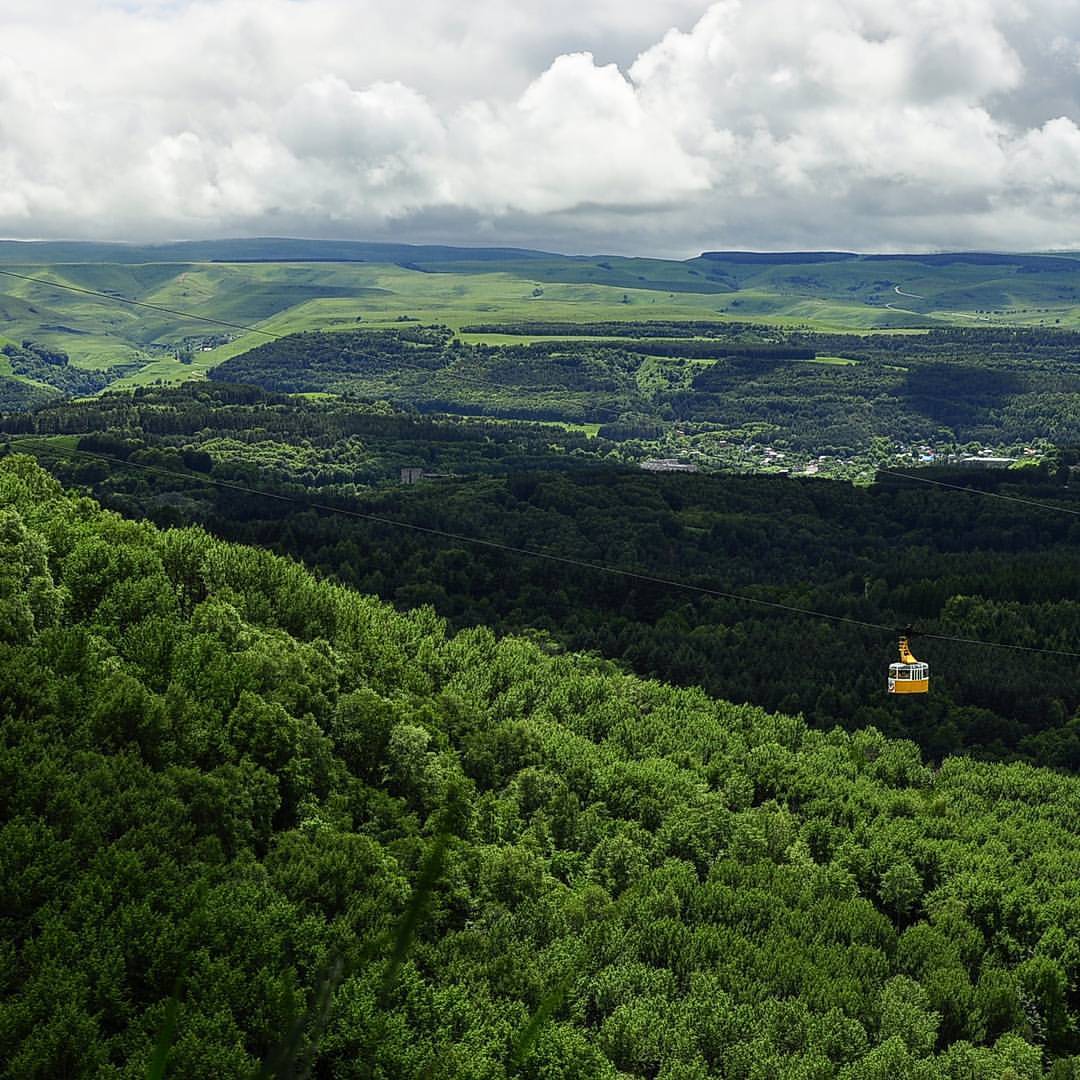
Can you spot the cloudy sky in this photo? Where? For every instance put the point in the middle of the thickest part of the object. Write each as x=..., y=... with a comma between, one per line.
x=632, y=126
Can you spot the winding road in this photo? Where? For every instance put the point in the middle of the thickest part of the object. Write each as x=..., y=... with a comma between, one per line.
x=906, y=311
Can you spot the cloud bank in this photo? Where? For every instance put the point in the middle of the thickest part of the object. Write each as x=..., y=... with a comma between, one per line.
x=661, y=126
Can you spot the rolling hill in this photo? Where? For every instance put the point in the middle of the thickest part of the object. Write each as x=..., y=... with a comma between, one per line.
x=285, y=286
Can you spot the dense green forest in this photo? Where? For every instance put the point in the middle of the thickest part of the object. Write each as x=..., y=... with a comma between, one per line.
x=1003, y=386
x=439, y=373
x=895, y=553
x=52, y=367
x=19, y=395
x=249, y=816
x=253, y=435
x=33, y=375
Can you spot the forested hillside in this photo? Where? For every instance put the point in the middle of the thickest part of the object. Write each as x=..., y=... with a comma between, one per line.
x=1004, y=386
x=337, y=834
x=896, y=553
x=52, y=367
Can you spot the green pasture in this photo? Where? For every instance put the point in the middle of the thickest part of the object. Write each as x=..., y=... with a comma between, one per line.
x=590, y=431
x=56, y=442
x=850, y=295
x=528, y=339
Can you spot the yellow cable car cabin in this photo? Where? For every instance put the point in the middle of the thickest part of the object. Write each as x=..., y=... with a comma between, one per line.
x=909, y=676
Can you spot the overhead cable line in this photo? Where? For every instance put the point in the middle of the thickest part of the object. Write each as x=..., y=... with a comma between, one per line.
x=565, y=560
x=140, y=303
x=979, y=491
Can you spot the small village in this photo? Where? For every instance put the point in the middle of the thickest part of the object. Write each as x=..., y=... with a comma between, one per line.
x=708, y=453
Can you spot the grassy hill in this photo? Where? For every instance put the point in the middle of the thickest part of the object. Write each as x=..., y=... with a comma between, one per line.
x=290, y=285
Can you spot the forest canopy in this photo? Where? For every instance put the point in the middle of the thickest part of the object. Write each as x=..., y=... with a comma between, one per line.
x=229, y=785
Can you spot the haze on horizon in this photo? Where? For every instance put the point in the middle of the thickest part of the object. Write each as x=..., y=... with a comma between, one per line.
x=646, y=126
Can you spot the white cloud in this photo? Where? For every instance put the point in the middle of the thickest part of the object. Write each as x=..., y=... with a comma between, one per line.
x=653, y=125
x=580, y=134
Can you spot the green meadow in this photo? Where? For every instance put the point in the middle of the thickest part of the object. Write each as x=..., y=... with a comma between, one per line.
x=460, y=288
